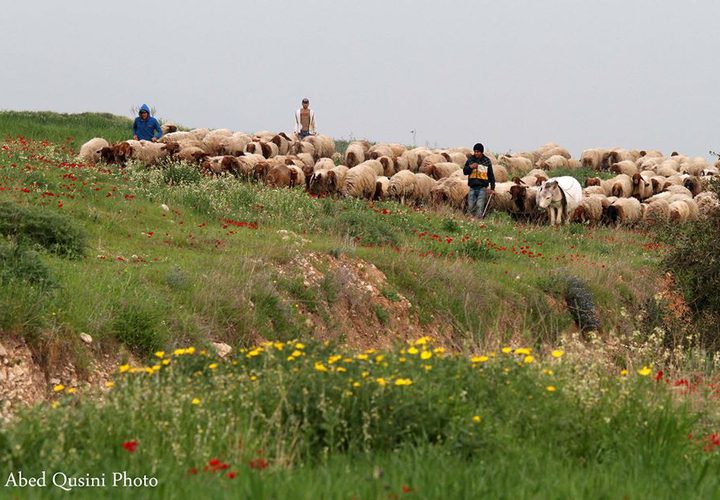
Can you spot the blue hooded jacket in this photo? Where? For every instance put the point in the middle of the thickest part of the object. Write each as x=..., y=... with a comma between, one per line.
x=145, y=129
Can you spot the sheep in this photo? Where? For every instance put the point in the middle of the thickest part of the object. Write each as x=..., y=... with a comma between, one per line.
x=212, y=140
x=354, y=154
x=458, y=157
x=451, y=190
x=235, y=144
x=590, y=210
x=500, y=173
x=147, y=152
x=535, y=179
x=283, y=143
x=381, y=187
x=199, y=133
x=693, y=184
x=676, y=189
x=711, y=171
x=657, y=211
x=443, y=169
x=625, y=211
x=679, y=211
x=323, y=164
x=220, y=164
x=501, y=199
x=642, y=188
x=559, y=196
x=524, y=200
x=324, y=145
x=379, y=150
x=592, y=158
x=376, y=166
x=626, y=167
x=360, y=181
x=336, y=179
x=694, y=166
x=402, y=163
x=594, y=190
x=621, y=186
x=412, y=157
x=402, y=185
x=303, y=147
x=281, y=175
x=517, y=165
x=668, y=168
x=90, y=151
x=431, y=159
x=423, y=186
x=175, y=136
x=553, y=162
x=388, y=165
x=550, y=150
x=397, y=149
x=707, y=202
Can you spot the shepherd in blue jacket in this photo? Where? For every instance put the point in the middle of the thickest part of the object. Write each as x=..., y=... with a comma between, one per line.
x=145, y=126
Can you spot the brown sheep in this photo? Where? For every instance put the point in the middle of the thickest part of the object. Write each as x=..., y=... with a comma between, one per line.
x=450, y=190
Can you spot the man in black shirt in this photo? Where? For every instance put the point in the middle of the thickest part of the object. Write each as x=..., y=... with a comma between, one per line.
x=480, y=174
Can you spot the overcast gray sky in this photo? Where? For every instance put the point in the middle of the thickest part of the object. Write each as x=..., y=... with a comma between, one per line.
x=513, y=74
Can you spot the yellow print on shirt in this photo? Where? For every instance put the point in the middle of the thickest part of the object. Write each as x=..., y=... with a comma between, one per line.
x=480, y=173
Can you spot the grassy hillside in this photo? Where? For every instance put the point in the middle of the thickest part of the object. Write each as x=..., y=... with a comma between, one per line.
x=148, y=261
x=64, y=128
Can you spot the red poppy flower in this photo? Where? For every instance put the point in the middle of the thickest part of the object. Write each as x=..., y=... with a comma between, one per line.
x=192, y=471
x=130, y=446
x=231, y=475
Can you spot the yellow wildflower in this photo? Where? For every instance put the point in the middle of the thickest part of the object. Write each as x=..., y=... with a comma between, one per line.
x=528, y=359
x=109, y=384
x=362, y=356
x=422, y=340
x=507, y=350
x=299, y=346
x=439, y=350
x=165, y=362
x=347, y=360
x=253, y=378
x=72, y=390
x=334, y=359
x=212, y=366
x=356, y=384
x=54, y=404
x=551, y=388
x=476, y=419
x=402, y=359
x=178, y=352
x=320, y=367
x=523, y=350
x=645, y=371
x=59, y=388
x=190, y=350
x=195, y=401
x=403, y=381
x=623, y=373
x=558, y=353
x=160, y=354
x=413, y=350
x=124, y=368
x=379, y=358
x=279, y=346
x=548, y=372
x=340, y=369
x=365, y=374
x=381, y=381
x=479, y=359
x=427, y=367
x=426, y=355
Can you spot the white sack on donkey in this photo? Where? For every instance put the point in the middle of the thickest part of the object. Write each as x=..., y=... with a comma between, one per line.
x=559, y=196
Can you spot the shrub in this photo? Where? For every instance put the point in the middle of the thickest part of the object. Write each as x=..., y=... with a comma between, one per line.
x=138, y=328
x=55, y=232
x=17, y=262
x=579, y=300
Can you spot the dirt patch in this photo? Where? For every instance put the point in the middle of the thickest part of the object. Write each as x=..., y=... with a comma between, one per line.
x=355, y=305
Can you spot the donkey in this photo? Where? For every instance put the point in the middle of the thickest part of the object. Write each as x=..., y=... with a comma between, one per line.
x=559, y=197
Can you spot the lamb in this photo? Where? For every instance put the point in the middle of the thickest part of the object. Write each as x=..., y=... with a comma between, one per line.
x=451, y=190
x=354, y=154
x=625, y=211
x=559, y=196
x=283, y=143
x=90, y=151
x=590, y=210
x=402, y=185
x=221, y=164
x=524, y=200
x=281, y=175
x=360, y=181
x=382, y=183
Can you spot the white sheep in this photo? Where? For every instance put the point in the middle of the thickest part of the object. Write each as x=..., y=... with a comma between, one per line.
x=90, y=151
x=402, y=185
x=354, y=154
x=382, y=183
x=625, y=211
x=360, y=181
x=451, y=190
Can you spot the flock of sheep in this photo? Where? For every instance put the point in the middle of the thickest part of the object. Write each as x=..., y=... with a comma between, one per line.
x=647, y=186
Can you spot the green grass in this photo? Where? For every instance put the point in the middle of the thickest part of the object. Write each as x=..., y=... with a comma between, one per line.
x=63, y=128
x=320, y=422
